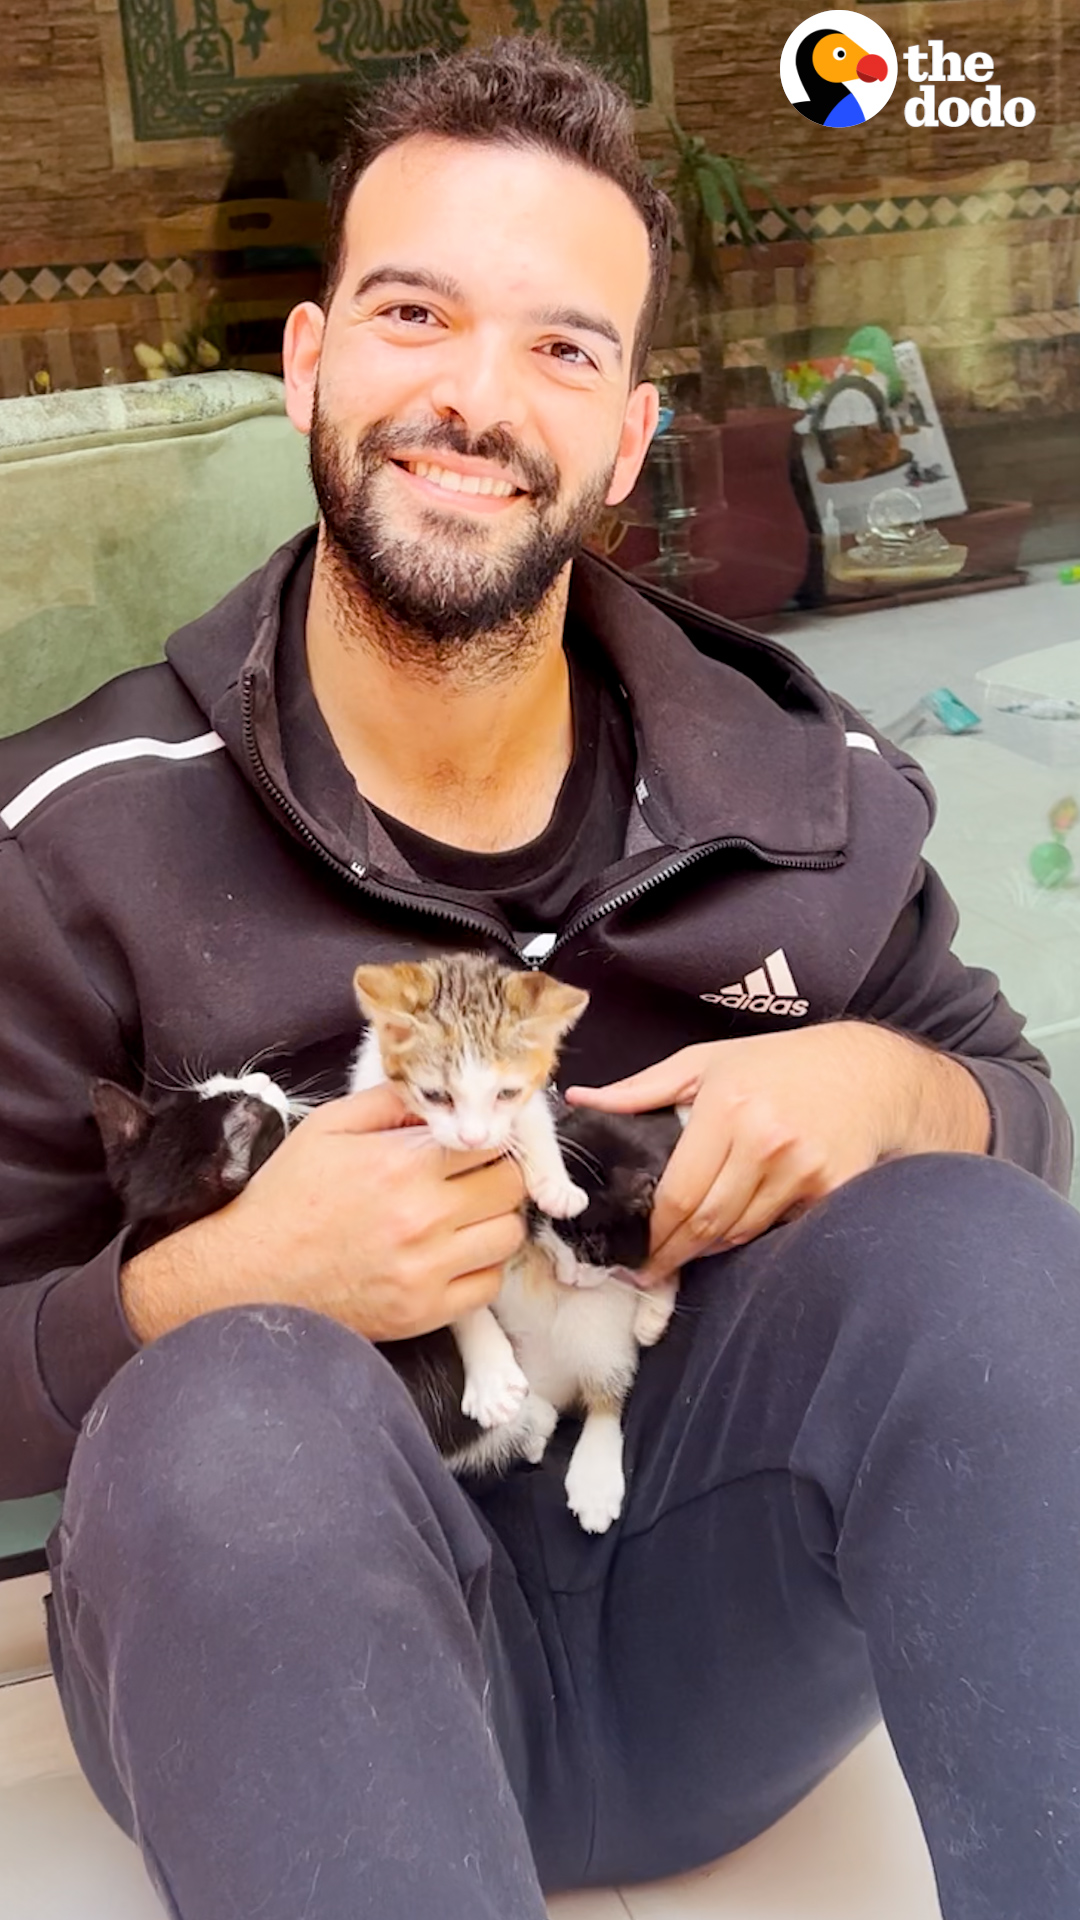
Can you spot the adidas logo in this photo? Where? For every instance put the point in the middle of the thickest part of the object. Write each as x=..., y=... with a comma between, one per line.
x=770, y=988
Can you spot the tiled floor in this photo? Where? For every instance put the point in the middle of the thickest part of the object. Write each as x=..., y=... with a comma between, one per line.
x=852, y=1851
x=993, y=801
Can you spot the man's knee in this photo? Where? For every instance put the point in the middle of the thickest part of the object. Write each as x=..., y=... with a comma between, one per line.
x=954, y=1250
x=248, y=1430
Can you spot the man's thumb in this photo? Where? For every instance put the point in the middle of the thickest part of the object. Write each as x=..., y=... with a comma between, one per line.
x=376, y=1110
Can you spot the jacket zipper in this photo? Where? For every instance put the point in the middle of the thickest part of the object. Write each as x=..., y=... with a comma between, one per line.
x=590, y=915
x=358, y=877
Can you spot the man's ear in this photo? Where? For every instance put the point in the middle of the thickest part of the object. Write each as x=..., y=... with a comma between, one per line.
x=639, y=425
x=300, y=352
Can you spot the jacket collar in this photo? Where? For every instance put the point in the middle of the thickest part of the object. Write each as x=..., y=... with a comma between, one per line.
x=736, y=739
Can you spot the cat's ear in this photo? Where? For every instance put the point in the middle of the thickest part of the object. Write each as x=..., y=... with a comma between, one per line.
x=123, y=1119
x=393, y=995
x=549, y=1007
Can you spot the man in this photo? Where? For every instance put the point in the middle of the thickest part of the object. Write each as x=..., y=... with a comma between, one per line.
x=302, y=1667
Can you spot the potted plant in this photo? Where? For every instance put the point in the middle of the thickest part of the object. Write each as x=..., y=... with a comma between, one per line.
x=710, y=192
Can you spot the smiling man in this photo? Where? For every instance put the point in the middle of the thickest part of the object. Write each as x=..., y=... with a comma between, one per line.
x=305, y=1669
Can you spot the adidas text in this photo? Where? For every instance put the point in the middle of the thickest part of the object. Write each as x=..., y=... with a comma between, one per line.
x=742, y=1002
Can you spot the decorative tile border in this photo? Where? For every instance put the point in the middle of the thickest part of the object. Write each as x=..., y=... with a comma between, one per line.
x=916, y=213
x=835, y=220
x=30, y=286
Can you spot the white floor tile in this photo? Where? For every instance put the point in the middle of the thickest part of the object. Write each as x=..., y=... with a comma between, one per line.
x=23, y=1648
x=852, y=1851
x=34, y=1740
x=587, y=1906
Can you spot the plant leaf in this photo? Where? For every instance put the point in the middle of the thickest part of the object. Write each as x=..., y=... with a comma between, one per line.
x=744, y=219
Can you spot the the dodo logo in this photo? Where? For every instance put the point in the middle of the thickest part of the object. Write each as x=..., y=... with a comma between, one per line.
x=839, y=69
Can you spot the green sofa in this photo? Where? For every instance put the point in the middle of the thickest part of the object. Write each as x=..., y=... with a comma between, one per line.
x=124, y=512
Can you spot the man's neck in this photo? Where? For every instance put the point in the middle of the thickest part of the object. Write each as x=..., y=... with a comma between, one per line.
x=472, y=759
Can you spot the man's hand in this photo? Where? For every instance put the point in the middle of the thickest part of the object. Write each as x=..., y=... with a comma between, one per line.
x=780, y=1119
x=357, y=1215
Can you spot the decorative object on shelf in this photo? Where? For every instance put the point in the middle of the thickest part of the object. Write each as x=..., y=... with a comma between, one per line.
x=869, y=411
x=1051, y=863
x=200, y=350
x=682, y=477
x=896, y=547
x=752, y=526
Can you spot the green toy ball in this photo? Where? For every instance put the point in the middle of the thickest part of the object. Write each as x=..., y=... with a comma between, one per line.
x=1051, y=864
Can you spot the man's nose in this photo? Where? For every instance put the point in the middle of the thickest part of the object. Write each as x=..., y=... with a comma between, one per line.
x=477, y=381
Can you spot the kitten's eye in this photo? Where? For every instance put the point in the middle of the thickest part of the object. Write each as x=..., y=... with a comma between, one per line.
x=437, y=1096
x=510, y=1093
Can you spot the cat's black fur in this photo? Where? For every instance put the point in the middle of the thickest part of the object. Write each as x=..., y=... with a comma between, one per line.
x=171, y=1162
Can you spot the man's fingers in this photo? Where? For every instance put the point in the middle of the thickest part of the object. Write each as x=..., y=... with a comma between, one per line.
x=376, y=1110
x=485, y=1193
x=664, y=1085
x=751, y=1193
x=473, y=1290
x=695, y=1166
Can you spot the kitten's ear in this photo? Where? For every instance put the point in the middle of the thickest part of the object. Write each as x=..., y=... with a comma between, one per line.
x=393, y=995
x=548, y=1006
x=123, y=1119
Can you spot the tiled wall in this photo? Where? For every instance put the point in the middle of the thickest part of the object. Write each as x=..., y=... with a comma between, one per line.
x=968, y=242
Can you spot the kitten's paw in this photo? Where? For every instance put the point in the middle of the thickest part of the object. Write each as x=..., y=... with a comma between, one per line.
x=652, y=1315
x=558, y=1197
x=494, y=1395
x=595, y=1488
x=539, y=1419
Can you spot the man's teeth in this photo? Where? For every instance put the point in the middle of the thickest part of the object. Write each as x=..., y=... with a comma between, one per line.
x=461, y=482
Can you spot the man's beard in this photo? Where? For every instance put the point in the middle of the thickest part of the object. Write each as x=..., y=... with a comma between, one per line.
x=454, y=588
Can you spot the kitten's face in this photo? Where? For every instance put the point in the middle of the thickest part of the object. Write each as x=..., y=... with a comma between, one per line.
x=465, y=1041
x=189, y=1153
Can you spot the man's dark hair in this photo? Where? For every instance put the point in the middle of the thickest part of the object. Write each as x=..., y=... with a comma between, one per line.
x=519, y=92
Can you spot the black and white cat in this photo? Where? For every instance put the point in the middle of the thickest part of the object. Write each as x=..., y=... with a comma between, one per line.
x=567, y=1303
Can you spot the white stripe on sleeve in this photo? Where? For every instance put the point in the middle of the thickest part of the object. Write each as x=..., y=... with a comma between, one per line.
x=65, y=771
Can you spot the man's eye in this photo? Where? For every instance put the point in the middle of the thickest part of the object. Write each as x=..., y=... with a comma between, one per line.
x=560, y=348
x=437, y=1096
x=509, y=1093
x=409, y=311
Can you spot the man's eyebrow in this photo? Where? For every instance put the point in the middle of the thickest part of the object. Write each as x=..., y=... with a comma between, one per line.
x=575, y=319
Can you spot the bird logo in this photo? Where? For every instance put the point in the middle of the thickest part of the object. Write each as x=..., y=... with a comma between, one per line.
x=838, y=69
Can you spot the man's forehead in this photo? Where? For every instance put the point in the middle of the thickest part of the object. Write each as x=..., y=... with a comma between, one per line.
x=509, y=193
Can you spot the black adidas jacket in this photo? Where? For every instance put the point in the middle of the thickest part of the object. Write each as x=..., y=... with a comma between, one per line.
x=167, y=902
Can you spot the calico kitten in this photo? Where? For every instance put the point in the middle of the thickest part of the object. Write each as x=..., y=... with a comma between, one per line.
x=470, y=1046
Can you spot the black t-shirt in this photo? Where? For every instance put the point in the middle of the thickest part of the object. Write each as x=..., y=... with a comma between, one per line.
x=531, y=885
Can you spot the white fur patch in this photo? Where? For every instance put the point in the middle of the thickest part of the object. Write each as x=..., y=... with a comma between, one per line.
x=258, y=1086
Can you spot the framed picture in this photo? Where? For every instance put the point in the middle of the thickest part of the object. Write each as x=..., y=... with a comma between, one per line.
x=869, y=422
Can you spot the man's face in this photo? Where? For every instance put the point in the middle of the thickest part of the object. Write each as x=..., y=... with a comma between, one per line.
x=468, y=395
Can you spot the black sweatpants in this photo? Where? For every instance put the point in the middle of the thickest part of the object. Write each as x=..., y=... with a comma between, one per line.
x=316, y=1681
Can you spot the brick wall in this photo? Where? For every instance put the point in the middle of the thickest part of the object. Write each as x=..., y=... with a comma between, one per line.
x=86, y=268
